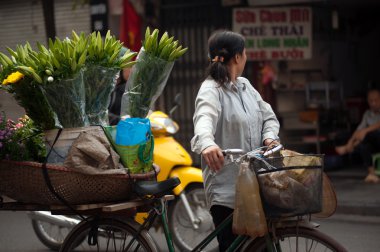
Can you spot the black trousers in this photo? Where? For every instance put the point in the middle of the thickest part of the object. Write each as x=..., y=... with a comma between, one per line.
x=225, y=237
x=369, y=146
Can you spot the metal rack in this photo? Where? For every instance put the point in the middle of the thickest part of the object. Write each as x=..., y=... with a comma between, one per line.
x=323, y=94
x=294, y=128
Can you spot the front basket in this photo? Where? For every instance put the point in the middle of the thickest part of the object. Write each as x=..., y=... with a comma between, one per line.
x=290, y=185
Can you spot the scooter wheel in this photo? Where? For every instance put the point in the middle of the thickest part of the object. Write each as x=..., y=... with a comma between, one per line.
x=186, y=235
x=51, y=235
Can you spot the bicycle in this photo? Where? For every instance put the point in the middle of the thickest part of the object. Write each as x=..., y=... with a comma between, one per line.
x=296, y=233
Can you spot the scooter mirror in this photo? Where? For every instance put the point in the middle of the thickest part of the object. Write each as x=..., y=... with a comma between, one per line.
x=177, y=103
x=178, y=99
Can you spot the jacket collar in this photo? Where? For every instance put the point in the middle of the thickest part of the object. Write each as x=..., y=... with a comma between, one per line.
x=235, y=86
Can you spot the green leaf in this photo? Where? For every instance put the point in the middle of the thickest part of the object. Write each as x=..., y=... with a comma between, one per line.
x=127, y=56
x=13, y=53
x=113, y=57
x=6, y=59
x=74, y=65
x=30, y=72
x=51, y=43
x=3, y=62
x=147, y=34
x=75, y=36
x=82, y=58
x=28, y=47
x=56, y=62
x=128, y=65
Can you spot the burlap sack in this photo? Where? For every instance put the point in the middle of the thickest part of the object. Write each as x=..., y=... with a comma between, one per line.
x=91, y=153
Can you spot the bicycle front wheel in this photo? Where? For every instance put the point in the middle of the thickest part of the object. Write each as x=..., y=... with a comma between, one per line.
x=297, y=239
x=108, y=235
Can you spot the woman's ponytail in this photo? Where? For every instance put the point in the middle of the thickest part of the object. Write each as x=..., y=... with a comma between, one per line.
x=218, y=71
x=222, y=47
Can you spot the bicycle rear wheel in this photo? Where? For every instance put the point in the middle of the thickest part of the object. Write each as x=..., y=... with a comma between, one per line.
x=111, y=235
x=301, y=239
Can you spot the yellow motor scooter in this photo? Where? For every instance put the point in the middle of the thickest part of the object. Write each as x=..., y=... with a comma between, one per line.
x=189, y=218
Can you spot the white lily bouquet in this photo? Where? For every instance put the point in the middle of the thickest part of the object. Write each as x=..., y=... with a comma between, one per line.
x=150, y=73
x=103, y=63
x=68, y=83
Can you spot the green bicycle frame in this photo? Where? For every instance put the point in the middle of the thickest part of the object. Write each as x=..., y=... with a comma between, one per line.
x=239, y=241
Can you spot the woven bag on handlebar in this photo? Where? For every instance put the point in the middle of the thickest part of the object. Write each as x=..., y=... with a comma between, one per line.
x=24, y=182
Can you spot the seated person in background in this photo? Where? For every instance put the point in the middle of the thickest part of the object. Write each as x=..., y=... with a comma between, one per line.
x=366, y=138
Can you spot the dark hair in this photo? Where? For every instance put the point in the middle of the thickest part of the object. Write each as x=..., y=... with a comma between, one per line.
x=373, y=85
x=120, y=79
x=222, y=47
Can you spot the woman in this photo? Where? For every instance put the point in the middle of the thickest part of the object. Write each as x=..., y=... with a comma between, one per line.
x=229, y=113
x=116, y=95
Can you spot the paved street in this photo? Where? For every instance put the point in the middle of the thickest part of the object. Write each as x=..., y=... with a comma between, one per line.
x=357, y=233
x=354, y=195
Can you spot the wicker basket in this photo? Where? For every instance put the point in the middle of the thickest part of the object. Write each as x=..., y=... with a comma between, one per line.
x=24, y=182
x=292, y=187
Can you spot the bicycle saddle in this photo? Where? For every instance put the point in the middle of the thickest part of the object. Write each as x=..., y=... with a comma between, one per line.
x=157, y=189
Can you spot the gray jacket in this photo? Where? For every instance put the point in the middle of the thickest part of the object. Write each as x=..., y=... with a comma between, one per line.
x=369, y=118
x=232, y=117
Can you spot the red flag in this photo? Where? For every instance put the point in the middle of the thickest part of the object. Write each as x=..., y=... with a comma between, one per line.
x=130, y=27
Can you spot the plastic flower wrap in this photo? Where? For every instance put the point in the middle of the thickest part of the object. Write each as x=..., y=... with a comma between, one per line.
x=67, y=99
x=43, y=70
x=150, y=74
x=145, y=84
x=99, y=83
x=103, y=63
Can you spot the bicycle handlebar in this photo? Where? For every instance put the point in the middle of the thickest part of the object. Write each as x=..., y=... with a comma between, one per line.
x=232, y=152
x=273, y=150
x=267, y=152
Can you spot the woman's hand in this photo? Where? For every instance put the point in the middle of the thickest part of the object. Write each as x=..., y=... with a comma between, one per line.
x=271, y=142
x=214, y=157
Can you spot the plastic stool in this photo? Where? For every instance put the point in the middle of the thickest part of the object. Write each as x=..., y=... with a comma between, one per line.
x=376, y=162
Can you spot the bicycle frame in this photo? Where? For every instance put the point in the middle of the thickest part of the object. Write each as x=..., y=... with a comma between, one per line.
x=161, y=210
x=272, y=244
x=237, y=242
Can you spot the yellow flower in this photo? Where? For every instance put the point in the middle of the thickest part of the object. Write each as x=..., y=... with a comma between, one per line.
x=13, y=78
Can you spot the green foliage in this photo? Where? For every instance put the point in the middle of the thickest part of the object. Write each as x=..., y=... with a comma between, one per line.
x=146, y=82
x=29, y=95
x=43, y=70
x=165, y=48
x=151, y=72
x=106, y=53
x=63, y=59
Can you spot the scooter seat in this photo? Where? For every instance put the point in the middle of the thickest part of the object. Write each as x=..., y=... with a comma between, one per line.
x=154, y=188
